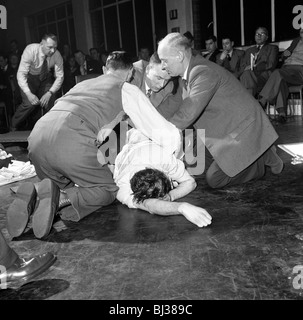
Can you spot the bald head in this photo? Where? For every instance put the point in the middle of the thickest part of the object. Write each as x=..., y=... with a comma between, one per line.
x=174, y=52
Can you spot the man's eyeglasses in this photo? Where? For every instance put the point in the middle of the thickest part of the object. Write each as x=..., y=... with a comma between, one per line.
x=260, y=34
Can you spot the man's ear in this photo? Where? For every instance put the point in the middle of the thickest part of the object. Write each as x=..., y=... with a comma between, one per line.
x=180, y=56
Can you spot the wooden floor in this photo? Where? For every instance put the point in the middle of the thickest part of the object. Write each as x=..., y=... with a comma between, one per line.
x=252, y=250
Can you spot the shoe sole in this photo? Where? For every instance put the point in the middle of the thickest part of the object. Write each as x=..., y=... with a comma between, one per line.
x=48, y=194
x=21, y=208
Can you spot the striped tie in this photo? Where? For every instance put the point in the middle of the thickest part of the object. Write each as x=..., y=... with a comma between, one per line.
x=148, y=93
x=44, y=70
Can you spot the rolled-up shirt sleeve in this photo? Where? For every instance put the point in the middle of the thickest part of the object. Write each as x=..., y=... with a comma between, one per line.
x=148, y=120
x=23, y=70
x=59, y=73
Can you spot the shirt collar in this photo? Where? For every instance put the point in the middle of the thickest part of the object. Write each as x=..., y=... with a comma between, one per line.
x=185, y=73
x=147, y=88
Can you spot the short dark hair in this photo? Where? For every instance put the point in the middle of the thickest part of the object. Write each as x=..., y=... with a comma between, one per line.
x=119, y=60
x=154, y=59
x=51, y=36
x=4, y=55
x=227, y=37
x=149, y=184
x=211, y=37
x=188, y=35
x=91, y=49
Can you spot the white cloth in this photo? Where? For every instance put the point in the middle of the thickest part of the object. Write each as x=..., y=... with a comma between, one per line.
x=16, y=171
x=140, y=153
x=31, y=63
x=139, y=108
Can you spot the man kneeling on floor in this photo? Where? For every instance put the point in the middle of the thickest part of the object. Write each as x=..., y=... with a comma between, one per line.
x=146, y=174
x=64, y=150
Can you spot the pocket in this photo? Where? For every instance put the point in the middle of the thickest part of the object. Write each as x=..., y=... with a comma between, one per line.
x=247, y=122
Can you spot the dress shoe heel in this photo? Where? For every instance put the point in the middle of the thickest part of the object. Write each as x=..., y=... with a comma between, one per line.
x=48, y=195
x=21, y=208
x=24, y=270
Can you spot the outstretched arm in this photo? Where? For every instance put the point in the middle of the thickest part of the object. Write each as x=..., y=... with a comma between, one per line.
x=194, y=214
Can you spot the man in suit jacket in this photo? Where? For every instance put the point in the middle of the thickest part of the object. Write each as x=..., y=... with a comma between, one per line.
x=86, y=64
x=212, y=48
x=238, y=135
x=258, y=62
x=163, y=91
x=276, y=89
x=230, y=58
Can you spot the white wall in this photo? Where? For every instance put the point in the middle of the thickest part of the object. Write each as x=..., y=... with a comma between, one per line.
x=185, y=20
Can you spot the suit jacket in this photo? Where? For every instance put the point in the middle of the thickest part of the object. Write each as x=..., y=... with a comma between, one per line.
x=292, y=47
x=293, y=44
x=93, y=66
x=266, y=61
x=237, y=130
x=213, y=56
x=163, y=99
x=234, y=64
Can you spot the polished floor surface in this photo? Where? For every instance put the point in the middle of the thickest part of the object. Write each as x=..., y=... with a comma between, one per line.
x=252, y=250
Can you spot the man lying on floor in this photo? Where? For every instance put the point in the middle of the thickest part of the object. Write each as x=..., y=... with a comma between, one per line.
x=145, y=173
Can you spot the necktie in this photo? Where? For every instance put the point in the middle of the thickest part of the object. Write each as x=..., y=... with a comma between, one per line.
x=258, y=48
x=44, y=70
x=148, y=93
x=228, y=57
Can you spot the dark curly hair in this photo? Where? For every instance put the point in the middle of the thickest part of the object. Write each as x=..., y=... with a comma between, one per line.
x=149, y=184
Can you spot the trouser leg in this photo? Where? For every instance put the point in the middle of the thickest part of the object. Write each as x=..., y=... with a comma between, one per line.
x=7, y=255
x=216, y=178
x=38, y=88
x=249, y=80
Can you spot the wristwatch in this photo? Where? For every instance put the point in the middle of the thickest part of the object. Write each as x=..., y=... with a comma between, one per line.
x=50, y=92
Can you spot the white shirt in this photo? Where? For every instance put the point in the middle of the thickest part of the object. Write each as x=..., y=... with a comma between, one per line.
x=140, y=153
x=148, y=120
x=31, y=63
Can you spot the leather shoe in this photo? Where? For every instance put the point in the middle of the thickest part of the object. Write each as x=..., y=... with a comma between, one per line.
x=24, y=270
x=274, y=161
x=48, y=200
x=21, y=208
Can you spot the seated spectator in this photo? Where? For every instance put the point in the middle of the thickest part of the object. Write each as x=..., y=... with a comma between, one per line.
x=191, y=40
x=66, y=53
x=258, y=63
x=212, y=48
x=276, y=90
x=230, y=58
x=14, y=49
x=12, y=74
x=94, y=54
x=71, y=70
x=87, y=64
x=145, y=171
x=5, y=88
x=144, y=54
x=103, y=57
